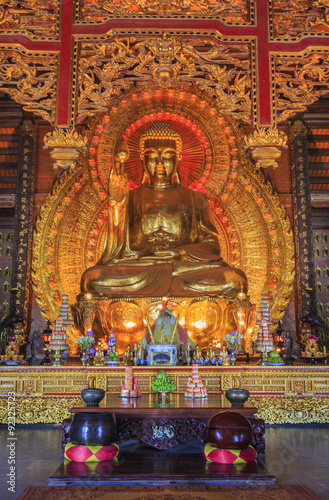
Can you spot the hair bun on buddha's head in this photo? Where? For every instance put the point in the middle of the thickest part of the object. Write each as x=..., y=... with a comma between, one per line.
x=161, y=130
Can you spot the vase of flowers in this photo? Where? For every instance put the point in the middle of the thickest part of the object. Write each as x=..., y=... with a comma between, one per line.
x=233, y=340
x=84, y=342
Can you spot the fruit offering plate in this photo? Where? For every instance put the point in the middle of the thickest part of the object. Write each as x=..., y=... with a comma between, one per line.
x=112, y=363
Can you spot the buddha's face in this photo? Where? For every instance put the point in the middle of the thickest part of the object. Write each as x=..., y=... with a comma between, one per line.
x=160, y=159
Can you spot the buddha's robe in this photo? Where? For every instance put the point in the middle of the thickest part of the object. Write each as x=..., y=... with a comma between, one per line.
x=171, y=249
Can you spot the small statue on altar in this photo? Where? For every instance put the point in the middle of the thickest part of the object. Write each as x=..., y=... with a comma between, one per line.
x=210, y=356
x=312, y=347
x=140, y=354
x=188, y=354
x=198, y=358
x=165, y=332
x=99, y=359
x=33, y=361
x=181, y=355
x=128, y=358
x=288, y=343
x=223, y=356
x=135, y=354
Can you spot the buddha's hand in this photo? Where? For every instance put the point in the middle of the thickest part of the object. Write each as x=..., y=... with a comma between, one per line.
x=169, y=253
x=118, y=189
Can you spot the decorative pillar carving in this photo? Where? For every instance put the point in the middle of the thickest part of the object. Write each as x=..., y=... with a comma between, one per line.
x=24, y=206
x=302, y=212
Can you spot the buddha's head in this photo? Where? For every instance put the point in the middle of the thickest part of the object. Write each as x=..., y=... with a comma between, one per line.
x=161, y=153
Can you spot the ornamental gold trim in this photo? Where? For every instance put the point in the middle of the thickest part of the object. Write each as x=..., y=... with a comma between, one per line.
x=30, y=78
x=299, y=81
x=293, y=410
x=292, y=20
x=39, y=410
x=36, y=19
x=222, y=68
x=284, y=395
x=238, y=12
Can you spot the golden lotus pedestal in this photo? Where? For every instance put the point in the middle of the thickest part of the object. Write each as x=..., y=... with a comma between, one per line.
x=206, y=320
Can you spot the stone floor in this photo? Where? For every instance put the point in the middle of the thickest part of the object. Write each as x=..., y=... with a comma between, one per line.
x=294, y=454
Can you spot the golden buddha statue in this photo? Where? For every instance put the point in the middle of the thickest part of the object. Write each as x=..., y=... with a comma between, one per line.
x=210, y=356
x=197, y=355
x=161, y=237
x=128, y=358
x=223, y=355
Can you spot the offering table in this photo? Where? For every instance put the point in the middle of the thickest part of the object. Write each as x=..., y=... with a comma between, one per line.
x=165, y=426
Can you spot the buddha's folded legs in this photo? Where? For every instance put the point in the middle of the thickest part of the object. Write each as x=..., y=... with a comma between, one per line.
x=160, y=280
x=222, y=281
x=117, y=281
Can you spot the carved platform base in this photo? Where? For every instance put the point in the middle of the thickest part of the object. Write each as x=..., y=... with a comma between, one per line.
x=167, y=433
x=160, y=468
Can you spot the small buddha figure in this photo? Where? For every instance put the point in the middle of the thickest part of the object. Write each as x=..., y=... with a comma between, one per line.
x=99, y=359
x=161, y=237
x=140, y=354
x=211, y=355
x=128, y=358
x=33, y=361
x=288, y=342
x=197, y=354
x=223, y=355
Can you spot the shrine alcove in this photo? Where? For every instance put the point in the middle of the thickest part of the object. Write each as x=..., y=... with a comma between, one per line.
x=253, y=229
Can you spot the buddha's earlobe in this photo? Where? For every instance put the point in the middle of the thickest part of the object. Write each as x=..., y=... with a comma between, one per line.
x=145, y=178
x=177, y=178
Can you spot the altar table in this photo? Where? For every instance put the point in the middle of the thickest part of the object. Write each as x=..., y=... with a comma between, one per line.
x=283, y=395
x=167, y=426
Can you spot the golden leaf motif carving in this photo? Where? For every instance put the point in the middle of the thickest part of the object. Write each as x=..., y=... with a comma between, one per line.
x=266, y=136
x=292, y=410
x=30, y=79
x=299, y=81
x=292, y=19
x=66, y=146
x=222, y=69
x=232, y=12
x=39, y=409
x=36, y=18
x=263, y=146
